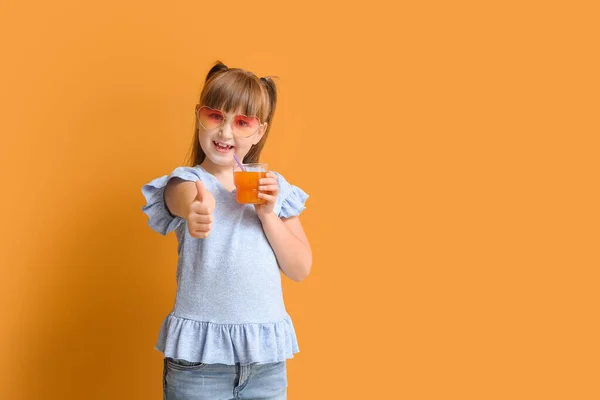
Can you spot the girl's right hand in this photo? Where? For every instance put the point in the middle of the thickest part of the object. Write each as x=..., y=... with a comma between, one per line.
x=199, y=219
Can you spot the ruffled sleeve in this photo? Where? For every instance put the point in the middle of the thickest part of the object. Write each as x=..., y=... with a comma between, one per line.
x=160, y=219
x=291, y=198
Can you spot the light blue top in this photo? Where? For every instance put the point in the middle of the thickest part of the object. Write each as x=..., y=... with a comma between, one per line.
x=229, y=306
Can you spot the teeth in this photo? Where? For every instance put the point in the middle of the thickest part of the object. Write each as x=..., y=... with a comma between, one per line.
x=225, y=146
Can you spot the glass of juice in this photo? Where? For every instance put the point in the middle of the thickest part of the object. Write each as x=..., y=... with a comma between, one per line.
x=246, y=182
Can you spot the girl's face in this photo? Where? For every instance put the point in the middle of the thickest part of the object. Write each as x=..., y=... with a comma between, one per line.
x=221, y=143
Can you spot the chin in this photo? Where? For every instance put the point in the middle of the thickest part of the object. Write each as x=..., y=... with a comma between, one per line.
x=220, y=161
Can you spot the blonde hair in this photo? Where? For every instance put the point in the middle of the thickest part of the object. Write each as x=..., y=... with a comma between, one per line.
x=236, y=90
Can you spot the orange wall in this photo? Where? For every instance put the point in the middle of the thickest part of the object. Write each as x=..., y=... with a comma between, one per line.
x=450, y=151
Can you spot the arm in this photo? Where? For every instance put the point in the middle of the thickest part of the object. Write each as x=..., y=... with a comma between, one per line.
x=179, y=195
x=192, y=202
x=290, y=244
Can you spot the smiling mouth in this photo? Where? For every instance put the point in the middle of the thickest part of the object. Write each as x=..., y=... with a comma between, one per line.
x=222, y=146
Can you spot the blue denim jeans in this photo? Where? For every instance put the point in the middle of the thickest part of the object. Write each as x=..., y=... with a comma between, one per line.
x=183, y=380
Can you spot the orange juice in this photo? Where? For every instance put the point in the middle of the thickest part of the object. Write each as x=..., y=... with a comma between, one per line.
x=246, y=186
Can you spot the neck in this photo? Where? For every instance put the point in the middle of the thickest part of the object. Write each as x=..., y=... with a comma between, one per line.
x=217, y=170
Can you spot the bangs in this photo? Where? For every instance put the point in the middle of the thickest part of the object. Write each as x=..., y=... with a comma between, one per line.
x=236, y=91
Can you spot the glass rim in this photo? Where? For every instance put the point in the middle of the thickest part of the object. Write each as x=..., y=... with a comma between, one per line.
x=253, y=163
x=264, y=166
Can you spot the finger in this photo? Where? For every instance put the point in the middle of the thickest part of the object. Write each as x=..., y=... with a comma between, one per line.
x=201, y=190
x=267, y=181
x=268, y=197
x=201, y=227
x=198, y=227
x=199, y=208
x=200, y=218
x=269, y=188
x=199, y=235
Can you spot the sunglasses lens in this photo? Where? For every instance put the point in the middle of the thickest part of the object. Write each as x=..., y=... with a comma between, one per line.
x=241, y=125
x=209, y=118
x=245, y=126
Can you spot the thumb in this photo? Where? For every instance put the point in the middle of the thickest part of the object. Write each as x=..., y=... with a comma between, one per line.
x=201, y=190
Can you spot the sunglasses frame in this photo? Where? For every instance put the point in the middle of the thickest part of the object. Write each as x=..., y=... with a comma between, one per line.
x=260, y=124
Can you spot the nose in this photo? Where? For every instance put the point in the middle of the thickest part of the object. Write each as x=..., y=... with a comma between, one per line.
x=225, y=131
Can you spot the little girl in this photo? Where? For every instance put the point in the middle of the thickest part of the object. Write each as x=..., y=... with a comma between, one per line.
x=229, y=335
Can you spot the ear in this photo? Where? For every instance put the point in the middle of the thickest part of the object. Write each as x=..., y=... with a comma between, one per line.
x=259, y=135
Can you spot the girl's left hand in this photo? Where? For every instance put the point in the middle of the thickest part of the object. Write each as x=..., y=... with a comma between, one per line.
x=268, y=190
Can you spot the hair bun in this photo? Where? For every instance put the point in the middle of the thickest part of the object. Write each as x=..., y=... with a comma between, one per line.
x=218, y=67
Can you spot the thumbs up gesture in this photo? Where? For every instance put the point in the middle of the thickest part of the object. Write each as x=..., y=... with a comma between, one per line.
x=199, y=219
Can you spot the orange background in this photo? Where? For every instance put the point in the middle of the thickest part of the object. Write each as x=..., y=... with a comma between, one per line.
x=450, y=150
